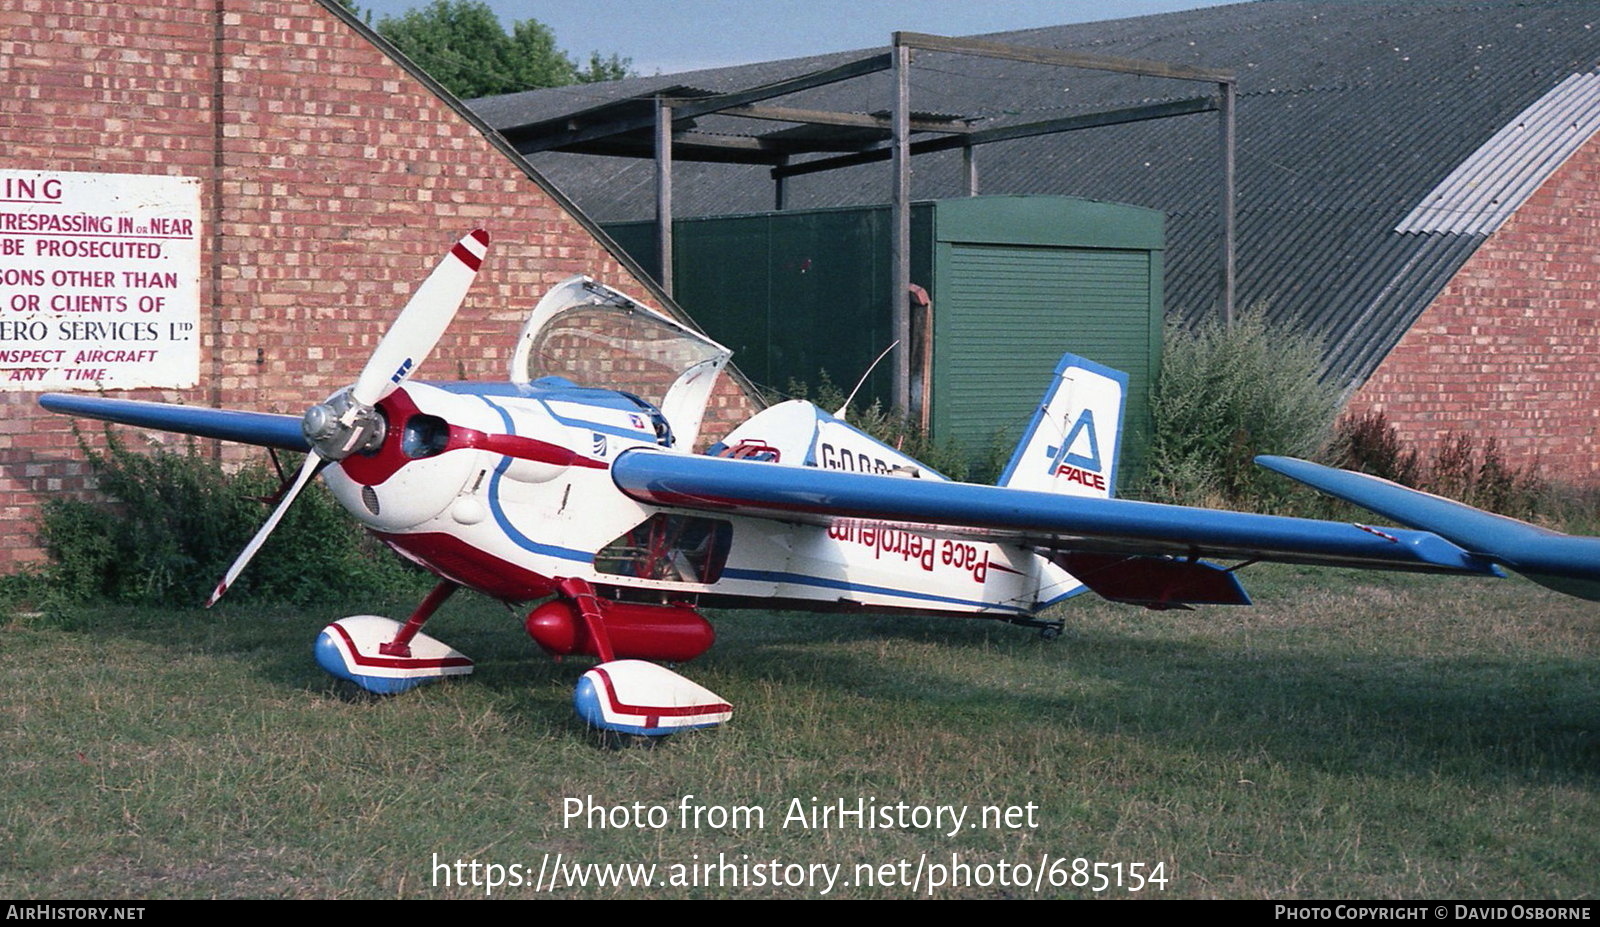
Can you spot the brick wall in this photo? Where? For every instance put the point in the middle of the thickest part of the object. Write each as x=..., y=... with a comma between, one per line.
x=332, y=180
x=1510, y=348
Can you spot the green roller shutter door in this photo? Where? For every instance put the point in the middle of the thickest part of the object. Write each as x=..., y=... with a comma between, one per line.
x=1005, y=315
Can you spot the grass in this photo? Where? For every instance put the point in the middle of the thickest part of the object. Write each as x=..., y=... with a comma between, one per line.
x=1354, y=735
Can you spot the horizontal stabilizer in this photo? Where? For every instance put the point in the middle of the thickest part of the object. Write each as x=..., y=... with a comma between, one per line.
x=1154, y=582
x=263, y=429
x=1557, y=561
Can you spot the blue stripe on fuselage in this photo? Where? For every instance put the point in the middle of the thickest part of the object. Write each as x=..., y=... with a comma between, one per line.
x=546, y=389
x=802, y=579
x=500, y=518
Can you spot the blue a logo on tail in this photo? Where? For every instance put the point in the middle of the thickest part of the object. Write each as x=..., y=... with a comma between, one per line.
x=1083, y=402
x=1060, y=455
x=1083, y=469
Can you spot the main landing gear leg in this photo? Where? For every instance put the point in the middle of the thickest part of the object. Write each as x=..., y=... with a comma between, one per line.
x=591, y=609
x=632, y=697
x=401, y=645
x=383, y=656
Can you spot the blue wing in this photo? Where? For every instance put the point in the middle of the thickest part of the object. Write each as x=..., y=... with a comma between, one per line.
x=260, y=428
x=1557, y=561
x=1141, y=535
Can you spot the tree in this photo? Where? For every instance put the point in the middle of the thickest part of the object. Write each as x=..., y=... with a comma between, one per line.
x=461, y=44
x=604, y=69
x=361, y=14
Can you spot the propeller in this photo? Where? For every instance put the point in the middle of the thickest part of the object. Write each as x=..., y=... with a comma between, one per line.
x=348, y=421
x=313, y=464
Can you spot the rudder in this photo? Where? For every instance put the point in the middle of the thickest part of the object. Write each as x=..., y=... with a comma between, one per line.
x=1073, y=441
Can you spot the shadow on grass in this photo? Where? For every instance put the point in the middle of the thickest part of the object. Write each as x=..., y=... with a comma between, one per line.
x=1318, y=695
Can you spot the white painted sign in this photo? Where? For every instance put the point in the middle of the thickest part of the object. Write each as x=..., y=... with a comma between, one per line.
x=99, y=281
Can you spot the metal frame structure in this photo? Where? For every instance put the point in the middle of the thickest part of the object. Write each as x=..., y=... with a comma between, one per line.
x=662, y=126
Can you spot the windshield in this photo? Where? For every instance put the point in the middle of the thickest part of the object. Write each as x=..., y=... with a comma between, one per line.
x=615, y=348
x=594, y=336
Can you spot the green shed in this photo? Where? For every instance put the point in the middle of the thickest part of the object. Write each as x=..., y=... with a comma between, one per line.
x=1014, y=282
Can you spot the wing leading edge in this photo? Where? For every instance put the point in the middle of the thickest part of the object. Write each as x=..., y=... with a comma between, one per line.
x=1067, y=524
x=263, y=429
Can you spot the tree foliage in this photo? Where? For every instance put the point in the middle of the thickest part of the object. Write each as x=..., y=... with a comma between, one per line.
x=462, y=45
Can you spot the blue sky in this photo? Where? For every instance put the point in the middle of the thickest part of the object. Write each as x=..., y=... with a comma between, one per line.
x=666, y=36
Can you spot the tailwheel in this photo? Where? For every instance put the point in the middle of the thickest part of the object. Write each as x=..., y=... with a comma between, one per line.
x=1049, y=629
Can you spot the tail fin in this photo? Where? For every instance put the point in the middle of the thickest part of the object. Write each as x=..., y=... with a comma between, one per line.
x=1071, y=445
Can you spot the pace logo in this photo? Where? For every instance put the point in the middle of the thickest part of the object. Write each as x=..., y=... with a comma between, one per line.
x=1077, y=460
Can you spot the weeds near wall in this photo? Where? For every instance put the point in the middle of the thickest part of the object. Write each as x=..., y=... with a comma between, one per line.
x=1460, y=467
x=1369, y=444
x=173, y=522
x=1226, y=394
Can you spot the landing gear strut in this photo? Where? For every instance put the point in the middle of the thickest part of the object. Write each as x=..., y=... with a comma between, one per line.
x=401, y=645
x=383, y=656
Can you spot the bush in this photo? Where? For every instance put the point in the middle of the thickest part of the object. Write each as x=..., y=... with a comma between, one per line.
x=174, y=522
x=1459, y=469
x=1226, y=394
x=1369, y=444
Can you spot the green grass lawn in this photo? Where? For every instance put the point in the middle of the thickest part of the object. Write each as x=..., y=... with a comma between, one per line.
x=1353, y=735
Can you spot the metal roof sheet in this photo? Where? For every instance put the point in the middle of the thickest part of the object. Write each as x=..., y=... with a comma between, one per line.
x=1486, y=188
x=1349, y=115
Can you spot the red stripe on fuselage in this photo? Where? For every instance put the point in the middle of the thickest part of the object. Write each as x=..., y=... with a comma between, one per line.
x=375, y=468
x=451, y=558
x=520, y=447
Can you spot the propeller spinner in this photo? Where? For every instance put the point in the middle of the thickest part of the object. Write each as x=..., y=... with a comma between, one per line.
x=348, y=422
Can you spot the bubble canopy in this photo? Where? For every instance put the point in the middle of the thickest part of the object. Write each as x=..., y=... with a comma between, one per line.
x=593, y=336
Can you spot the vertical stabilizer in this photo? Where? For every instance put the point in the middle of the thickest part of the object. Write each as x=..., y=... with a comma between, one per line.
x=1072, y=443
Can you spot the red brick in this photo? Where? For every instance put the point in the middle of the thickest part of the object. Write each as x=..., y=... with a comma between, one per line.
x=331, y=182
x=1513, y=340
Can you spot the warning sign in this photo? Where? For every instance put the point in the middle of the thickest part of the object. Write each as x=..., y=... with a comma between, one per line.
x=99, y=281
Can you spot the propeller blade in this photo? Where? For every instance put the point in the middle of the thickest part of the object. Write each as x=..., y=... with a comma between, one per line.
x=309, y=469
x=423, y=321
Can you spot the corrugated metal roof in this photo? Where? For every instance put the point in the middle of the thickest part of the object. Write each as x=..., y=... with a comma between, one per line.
x=1349, y=114
x=1494, y=181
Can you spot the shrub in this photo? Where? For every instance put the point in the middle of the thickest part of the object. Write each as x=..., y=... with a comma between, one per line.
x=173, y=522
x=1226, y=394
x=1459, y=468
x=1369, y=444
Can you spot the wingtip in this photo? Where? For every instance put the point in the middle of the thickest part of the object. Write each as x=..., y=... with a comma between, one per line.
x=1276, y=462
